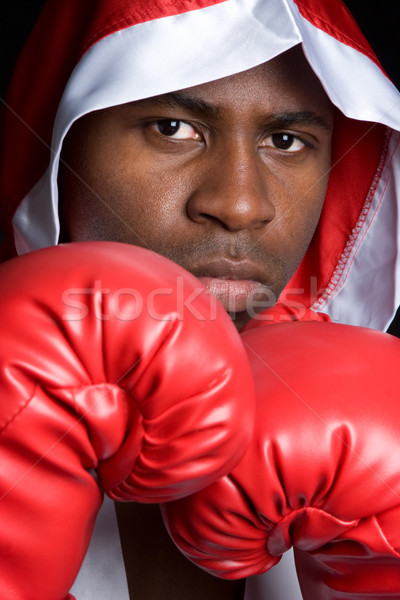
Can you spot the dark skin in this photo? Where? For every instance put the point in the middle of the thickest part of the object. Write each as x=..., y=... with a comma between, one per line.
x=228, y=180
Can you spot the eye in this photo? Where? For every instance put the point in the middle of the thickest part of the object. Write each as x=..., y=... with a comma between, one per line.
x=177, y=130
x=284, y=141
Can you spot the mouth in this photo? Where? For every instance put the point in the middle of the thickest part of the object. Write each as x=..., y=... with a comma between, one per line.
x=238, y=286
x=238, y=295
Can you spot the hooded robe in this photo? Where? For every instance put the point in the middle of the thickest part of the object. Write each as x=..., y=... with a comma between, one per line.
x=86, y=56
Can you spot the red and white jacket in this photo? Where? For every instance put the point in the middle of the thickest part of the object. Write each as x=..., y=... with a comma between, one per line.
x=84, y=56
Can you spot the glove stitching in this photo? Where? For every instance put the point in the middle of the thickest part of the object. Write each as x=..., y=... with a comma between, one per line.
x=19, y=410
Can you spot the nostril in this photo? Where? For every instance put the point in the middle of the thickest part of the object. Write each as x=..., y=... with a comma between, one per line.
x=233, y=213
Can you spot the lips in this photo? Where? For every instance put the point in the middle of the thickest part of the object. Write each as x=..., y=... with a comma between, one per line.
x=237, y=285
x=235, y=295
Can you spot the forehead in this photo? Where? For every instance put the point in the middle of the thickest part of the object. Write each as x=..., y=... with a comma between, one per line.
x=283, y=86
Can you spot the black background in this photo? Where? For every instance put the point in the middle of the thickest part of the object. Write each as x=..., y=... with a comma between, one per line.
x=379, y=21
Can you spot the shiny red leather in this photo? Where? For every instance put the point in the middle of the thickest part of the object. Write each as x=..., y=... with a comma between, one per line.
x=118, y=372
x=322, y=473
x=284, y=313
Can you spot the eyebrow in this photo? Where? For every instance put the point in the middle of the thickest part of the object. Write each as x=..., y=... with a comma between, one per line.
x=179, y=99
x=201, y=107
x=288, y=119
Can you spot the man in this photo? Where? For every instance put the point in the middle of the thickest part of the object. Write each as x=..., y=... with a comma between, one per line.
x=224, y=164
x=210, y=144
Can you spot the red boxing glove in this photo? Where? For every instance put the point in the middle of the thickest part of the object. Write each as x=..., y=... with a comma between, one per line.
x=322, y=473
x=284, y=313
x=116, y=365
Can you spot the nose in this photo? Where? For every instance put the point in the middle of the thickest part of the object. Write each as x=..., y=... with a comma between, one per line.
x=233, y=191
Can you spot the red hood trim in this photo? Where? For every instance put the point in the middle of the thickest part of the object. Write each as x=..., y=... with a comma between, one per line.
x=335, y=19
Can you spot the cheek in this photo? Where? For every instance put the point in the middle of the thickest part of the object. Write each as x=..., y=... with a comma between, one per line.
x=121, y=199
x=151, y=202
x=299, y=218
x=310, y=218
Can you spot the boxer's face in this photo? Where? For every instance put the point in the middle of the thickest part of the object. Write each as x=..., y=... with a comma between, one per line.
x=226, y=179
